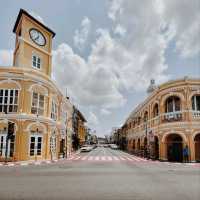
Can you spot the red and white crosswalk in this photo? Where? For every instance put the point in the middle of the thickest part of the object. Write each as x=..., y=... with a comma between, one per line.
x=107, y=158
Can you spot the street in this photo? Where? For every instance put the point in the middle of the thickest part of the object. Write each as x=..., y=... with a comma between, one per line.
x=102, y=174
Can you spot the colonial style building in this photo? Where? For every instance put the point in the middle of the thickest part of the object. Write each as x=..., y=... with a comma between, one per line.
x=79, y=128
x=167, y=121
x=34, y=115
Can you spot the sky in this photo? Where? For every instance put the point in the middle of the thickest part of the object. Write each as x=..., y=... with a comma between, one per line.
x=105, y=52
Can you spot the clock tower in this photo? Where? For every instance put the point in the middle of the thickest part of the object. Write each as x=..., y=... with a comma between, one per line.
x=33, y=45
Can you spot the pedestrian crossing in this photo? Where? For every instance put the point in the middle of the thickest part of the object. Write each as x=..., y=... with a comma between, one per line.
x=107, y=158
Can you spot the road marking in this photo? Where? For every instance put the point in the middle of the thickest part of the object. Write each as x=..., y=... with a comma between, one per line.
x=121, y=158
x=103, y=158
x=77, y=158
x=90, y=158
x=97, y=158
x=84, y=158
x=136, y=159
x=24, y=164
x=109, y=158
x=115, y=158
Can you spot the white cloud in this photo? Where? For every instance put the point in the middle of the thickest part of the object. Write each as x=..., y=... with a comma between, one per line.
x=92, y=119
x=6, y=57
x=105, y=111
x=81, y=35
x=120, y=30
x=117, y=65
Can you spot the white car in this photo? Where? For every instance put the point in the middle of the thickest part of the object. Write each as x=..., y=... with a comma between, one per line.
x=86, y=148
x=113, y=146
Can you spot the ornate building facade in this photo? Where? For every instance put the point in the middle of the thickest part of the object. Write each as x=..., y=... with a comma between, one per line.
x=34, y=115
x=167, y=121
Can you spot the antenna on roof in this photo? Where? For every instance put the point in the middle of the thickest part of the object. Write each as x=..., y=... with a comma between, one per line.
x=67, y=97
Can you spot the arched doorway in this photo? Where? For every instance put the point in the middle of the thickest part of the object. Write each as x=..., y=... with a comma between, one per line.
x=133, y=145
x=174, y=144
x=156, y=147
x=197, y=147
x=138, y=144
x=145, y=142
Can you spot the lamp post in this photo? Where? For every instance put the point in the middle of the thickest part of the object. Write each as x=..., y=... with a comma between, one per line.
x=147, y=143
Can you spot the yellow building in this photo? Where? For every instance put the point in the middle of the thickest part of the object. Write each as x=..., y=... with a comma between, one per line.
x=79, y=126
x=30, y=99
x=167, y=121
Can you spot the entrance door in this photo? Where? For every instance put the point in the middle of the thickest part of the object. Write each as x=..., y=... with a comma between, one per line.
x=3, y=146
x=174, y=148
x=156, y=147
x=53, y=147
x=197, y=147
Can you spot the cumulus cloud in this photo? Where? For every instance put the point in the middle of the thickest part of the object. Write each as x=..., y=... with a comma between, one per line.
x=81, y=35
x=105, y=111
x=92, y=119
x=116, y=64
x=6, y=57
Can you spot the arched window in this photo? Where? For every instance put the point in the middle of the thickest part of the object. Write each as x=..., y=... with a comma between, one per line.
x=196, y=102
x=145, y=116
x=155, y=110
x=173, y=104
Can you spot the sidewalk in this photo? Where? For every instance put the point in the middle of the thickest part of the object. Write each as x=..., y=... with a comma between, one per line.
x=37, y=162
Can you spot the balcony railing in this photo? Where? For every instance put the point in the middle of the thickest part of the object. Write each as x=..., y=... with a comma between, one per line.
x=172, y=116
x=163, y=118
x=195, y=114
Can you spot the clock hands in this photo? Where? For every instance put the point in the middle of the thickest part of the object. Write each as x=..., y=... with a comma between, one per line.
x=37, y=37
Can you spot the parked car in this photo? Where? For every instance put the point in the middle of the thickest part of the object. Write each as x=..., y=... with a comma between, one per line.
x=86, y=148
x=113, y=146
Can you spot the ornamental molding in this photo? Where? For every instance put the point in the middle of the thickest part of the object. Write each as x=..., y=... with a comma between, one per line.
x=28, y=75
x=39, y=85
x=37, y=124
x=28, y=117
x=9, y=80
x=174, y=132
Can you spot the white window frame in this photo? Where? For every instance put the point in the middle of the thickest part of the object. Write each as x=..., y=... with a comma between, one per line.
x=14, y=102
x=36, y=62
x=195, y=102
x=36, y=135
x=54, y=110
x=37, y=107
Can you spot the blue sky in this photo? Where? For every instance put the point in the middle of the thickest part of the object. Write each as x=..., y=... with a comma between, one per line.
x=115, y=47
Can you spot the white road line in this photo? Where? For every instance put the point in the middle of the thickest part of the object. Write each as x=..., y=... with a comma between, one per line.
x=128, y=158
x=103, y=158
x=90, y=158
x=77, y=158
x=23, y=164
x=136, y=159
x=11, y=164
x=115, y=158
x=121, y=158
x=97, y=158
x=84, y=158
x=109, y=158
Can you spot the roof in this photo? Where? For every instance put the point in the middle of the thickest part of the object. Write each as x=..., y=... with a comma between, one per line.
x=21, y=12
x=80, y=114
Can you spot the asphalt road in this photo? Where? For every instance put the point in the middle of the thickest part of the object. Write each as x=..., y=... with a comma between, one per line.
x=102, y=174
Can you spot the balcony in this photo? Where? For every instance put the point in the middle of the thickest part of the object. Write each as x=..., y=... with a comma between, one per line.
x=172, y=116
x=195, y=114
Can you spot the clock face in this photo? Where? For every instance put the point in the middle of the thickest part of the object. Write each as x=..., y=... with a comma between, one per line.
x=37, y=37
